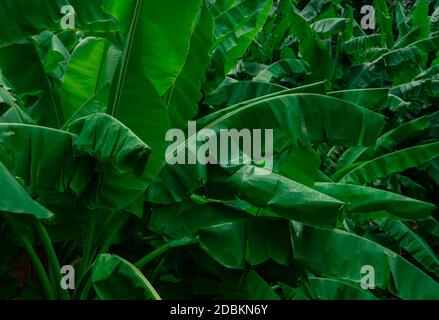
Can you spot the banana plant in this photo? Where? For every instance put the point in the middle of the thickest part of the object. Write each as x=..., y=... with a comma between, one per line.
x=91, y=208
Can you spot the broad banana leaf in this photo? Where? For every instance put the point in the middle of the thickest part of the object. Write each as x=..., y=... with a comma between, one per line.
x=22, y=66
x=358, y=45
x=328, y=289
x=238, y=92
x=314, y=8
x=411, y=242
x=331, y=26
x=385, y=143
x=372, y=99
x=417, y=90
x=150, y=59
x=251, y=92
x=115, y=278
x=236, y=28
x=93, y=147
x=385, y=21
x=20, y=20
x=342, y=255
x=91, y=67
x=421, y=18
x=284, y=71
x=185, y=93
x=364, y=199
x=14, y=199
x=313, y=49
x=250, y=239
x=288, y=116
x=286, y=198
x=389, y=164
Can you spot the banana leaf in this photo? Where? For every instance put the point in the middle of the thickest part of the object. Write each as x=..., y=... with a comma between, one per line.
x=411, y=242
x=83, y=80
x=21, y=20
x=342, y=255
x=287, y=115
x=115, y=278
x=365, y=199
x=389, y=164
x=15, y=200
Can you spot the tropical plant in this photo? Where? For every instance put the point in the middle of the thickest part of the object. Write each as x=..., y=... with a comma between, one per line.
x=83, y=174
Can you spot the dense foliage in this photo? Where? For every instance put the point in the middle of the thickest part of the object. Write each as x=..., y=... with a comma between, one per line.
x=83, y=177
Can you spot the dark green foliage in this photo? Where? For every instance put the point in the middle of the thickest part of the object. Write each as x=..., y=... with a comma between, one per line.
x=83, y=176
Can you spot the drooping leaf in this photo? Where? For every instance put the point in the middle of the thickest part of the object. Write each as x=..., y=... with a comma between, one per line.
x=286, y=197
x=96, y=145
x=329, y=27
x=364, y=199
x=235, y=28
x=411, y=242
x=21, y=20
x=328, y=289
x=391, y=163
x=238, y=92
x=114, y=278
x=284, y=71
x=345, y=254
x=14, y=199
x=286, y=115
x=372, y=99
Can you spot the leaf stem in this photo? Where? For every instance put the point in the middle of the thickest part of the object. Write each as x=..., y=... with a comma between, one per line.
x=163, y=249
x=36, y=261
x=53, y=259
x=88, y=245
x=113, y=234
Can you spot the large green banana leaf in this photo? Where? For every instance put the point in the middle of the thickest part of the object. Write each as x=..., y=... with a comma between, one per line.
x=92, y=160
x=249, y=239
x=91, y=66
x=314, y=8
x=235, y=28
x=299, y=164
x=22, y=66
x=411, y=242
x=150, y=59
x=330, y=26
x=364, y=199
x=313, y=49
x=251, y=92
x=293, y=119
x=238, y=92
x=14, y=199
x=372, y=99
x=115, y=278
x=20, y=20
x=358, y=45
x=431, y=225
x=389, y=164
x=15, y=113
x=286, y=197
x=284, y=71
x=342, y=255
x=184, y=95
x=400, y=134
x=327, y=289
x=421, y=18
x=417, y=90
x=386, y=142
x=385, y=21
